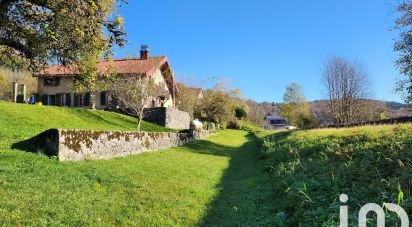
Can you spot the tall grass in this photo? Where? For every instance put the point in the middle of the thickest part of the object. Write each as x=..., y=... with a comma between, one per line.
x=312, y=168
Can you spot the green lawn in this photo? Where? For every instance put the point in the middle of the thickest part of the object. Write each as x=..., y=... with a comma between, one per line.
x=225, y=180
x=209, y=182
x=219, y=180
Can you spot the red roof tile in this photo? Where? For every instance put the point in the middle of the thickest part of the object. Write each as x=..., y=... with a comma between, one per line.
x=121, y=66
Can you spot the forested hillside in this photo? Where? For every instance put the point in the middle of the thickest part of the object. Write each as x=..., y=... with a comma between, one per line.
x=373, y=110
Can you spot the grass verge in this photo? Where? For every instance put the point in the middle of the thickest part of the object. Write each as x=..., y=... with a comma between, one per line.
x=311, y=169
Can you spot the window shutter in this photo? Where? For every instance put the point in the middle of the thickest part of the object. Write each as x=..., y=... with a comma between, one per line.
x=59, y=100
x=103, y=98
x=76, y=100
x=68, y=99
x=87, y=99
x=44, y=100
x=52, y=100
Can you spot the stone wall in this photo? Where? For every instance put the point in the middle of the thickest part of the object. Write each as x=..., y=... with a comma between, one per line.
x=168, y=117
x=77, y=145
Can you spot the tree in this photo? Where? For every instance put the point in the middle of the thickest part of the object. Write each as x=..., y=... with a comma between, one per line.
x=215, y=106
x=187, y=99
x=347, y=85
x=240, y=113
x=218, y=105
x=34, y=33
x=404, y=48
x=295, y=108
x=134, y=93
x=294, y=94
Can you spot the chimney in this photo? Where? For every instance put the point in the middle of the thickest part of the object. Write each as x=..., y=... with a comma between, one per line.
x=144, y=52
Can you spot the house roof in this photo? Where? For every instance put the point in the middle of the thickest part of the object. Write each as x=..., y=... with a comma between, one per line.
x=124, y=66
x=195, y=90
x=119, y=65
x=274, y=118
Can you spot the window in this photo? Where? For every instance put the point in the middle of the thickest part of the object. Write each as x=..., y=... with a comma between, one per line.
x=103, y=98
x=51, y=81
x=278, y=122
x=82, y=100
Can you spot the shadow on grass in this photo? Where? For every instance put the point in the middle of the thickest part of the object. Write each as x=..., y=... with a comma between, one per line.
x=207, y=147
x=245, y=191
x=40, y=143
x=279, y=135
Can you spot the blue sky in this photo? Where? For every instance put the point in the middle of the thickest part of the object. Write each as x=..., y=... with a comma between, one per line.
x=262, y=46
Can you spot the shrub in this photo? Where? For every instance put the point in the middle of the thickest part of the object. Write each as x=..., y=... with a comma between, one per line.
x=306, y=121
x=240, y=113
x=233, y=124
x=211, y=126
x=215, y=106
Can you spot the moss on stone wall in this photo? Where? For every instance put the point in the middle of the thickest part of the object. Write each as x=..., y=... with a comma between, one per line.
x=104, y=144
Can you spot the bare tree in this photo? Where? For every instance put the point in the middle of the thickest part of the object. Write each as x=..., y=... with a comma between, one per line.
x=347, y=84
x=135, y=92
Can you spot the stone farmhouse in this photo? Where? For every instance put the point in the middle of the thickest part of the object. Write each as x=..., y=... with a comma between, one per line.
x=56, y=83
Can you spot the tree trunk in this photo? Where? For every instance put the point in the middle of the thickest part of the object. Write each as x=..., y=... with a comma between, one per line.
x=139, y=119
x=92, y=103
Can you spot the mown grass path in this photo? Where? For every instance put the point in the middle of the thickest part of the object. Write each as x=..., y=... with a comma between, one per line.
x=245, y=193
x=215, y=182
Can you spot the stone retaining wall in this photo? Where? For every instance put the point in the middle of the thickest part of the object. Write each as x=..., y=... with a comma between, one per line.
x=77, y=145
x=168, y=117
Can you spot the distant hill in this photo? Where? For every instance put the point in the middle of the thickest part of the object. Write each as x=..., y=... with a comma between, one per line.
x=257, y=111
x=396, y=105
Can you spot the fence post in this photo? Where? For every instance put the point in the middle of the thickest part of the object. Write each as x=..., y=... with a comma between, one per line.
x=15, y=91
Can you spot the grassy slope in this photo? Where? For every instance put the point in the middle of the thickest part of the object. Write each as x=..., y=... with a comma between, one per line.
x=218, y=180
x=215, y=181
x=19, y=122
x=207, y=182
x=312, y=168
